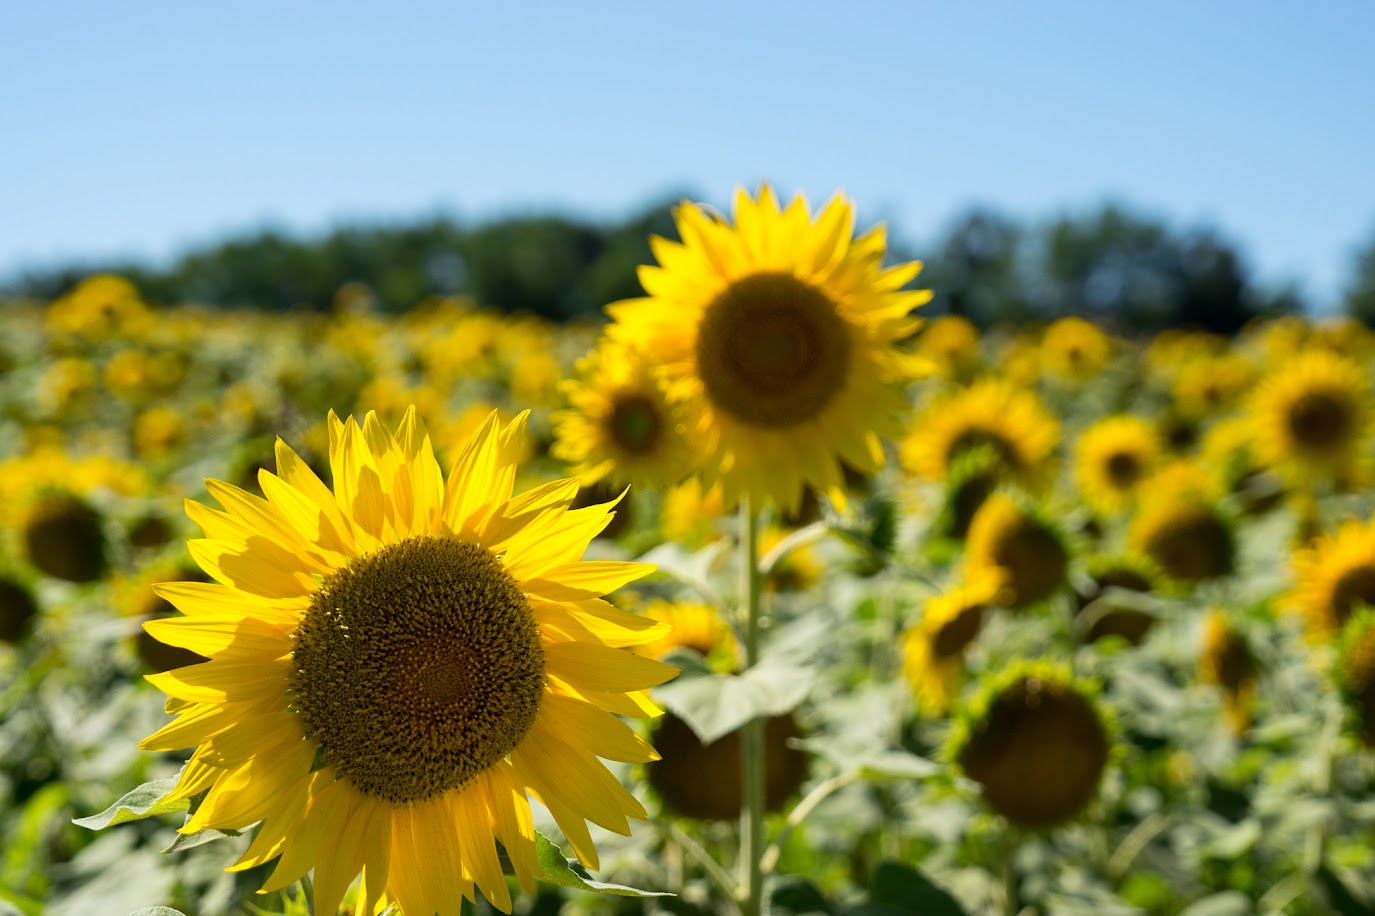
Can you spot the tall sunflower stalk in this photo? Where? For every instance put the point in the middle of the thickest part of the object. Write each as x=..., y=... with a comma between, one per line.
x=778, y=333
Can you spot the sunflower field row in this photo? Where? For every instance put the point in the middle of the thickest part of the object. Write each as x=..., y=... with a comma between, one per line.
x=772, y=594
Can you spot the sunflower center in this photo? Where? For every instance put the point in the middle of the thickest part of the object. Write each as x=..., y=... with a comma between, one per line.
x=957, y=633
x=417, y=667
x=987, y=441
x=772, y=350
x=1355, y=586
x=1123, y=469
x=1319, y=422
x=635, y=423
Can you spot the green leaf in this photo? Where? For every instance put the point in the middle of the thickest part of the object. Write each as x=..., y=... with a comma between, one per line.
x=899, y=889
x=1227, y=903
x=798, y=896
x=186, y=841
x=145, y=801
x=714, y=705
x=562, y=872
x=157, y=911
x=870, y=762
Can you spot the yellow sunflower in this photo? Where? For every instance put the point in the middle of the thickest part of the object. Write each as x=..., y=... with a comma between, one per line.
x=1111, y=459
x=1075, y=349
x=621, y=422
x=691, y=625
x=1226, y=660
x=395, y=666
x=951, y=342
x=1184, y=534
x=992, y=414
x=933, y=648
x=780, y=333
x=1334, y=576
x=1312, y=412
x=1010, y=541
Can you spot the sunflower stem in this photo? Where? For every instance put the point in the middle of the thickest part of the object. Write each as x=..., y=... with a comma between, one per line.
x=1008, y=849
x=308, y=892
x=752, y=733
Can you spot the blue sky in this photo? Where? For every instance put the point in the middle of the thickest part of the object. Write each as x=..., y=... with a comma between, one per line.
x=143, y=128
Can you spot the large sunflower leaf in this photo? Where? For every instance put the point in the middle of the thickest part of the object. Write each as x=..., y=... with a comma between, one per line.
x=136, y=804
x=714, y=705
x=562, y=872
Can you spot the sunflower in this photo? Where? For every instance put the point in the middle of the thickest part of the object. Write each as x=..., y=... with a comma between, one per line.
x=933, y=648
x=1355, y=671
x=18, y=608
x=1228, y=662
x=1111, y=459
x=397, y=664
x=1010, y=541
x=780, y=333
x=992, y=414
x=1100, y=614
x=621, y=422
x=1183, y=531
x=951, y=342
x=1312, y=413
x=1075, y=349
x=64, y=537
x=1208, y=385
x=1037, y=742
x=693, y=626
x=1333, y=576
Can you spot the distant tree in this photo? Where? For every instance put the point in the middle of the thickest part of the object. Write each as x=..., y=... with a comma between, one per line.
x=974, y=270
x=1359, y=298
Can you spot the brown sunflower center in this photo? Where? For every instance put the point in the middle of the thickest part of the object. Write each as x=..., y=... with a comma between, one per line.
x=958, y=632
x=635, y=423
x=1318, y=421
x=1355, y=586
x=417, y=667
x=1038, y=754
x=1124, y=469
x=65, y=538
x=1033, y=559
x=772, y=350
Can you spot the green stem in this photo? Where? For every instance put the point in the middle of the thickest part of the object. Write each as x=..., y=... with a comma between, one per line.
x=799, y=814
x=694, y=851
x=752, y=733
x=1008, y=847
x=308, y=891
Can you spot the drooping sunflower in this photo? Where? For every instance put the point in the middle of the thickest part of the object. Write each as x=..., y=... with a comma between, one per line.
x=1334, y=576
x=934, y=647
x=621, y=424
x=1037, y=741
x=1181, y=528
x=396, y=665
x=1112, y=457
x=780, y=332
x=992, y=414
x=1227, y=661
x=1312, y=413
x=1010, y=540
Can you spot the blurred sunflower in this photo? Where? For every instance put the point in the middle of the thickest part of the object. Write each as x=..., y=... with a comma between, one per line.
x=1206, y=386
x=1112, y=457
x=992, y=414
x=797, y=571
x=621, y=422
x=933, y=648
x=691, y=625
x=1100, y=614
x=395, y=664
x=951, y=342
x=1037, y=742
x=1355, y=671
x=18, y=608
x=691, y=514
x=1227, y=661
x=1011, y=541
x=781, y=334
x=1312, y=413
x=1190, y=540
x=1075, y=349
x=1334, y=576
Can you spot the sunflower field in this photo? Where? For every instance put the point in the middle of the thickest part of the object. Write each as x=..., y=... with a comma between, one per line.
x=771, y=594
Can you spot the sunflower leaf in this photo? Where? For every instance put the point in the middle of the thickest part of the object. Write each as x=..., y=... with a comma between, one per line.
x=714, y=705
x=157, y=911
x=136, y=804
x=567, y=873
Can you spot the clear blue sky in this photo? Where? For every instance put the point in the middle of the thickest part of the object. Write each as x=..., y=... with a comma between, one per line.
x=142, y=128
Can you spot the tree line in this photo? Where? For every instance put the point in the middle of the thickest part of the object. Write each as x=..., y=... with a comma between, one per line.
x=1126, y=269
